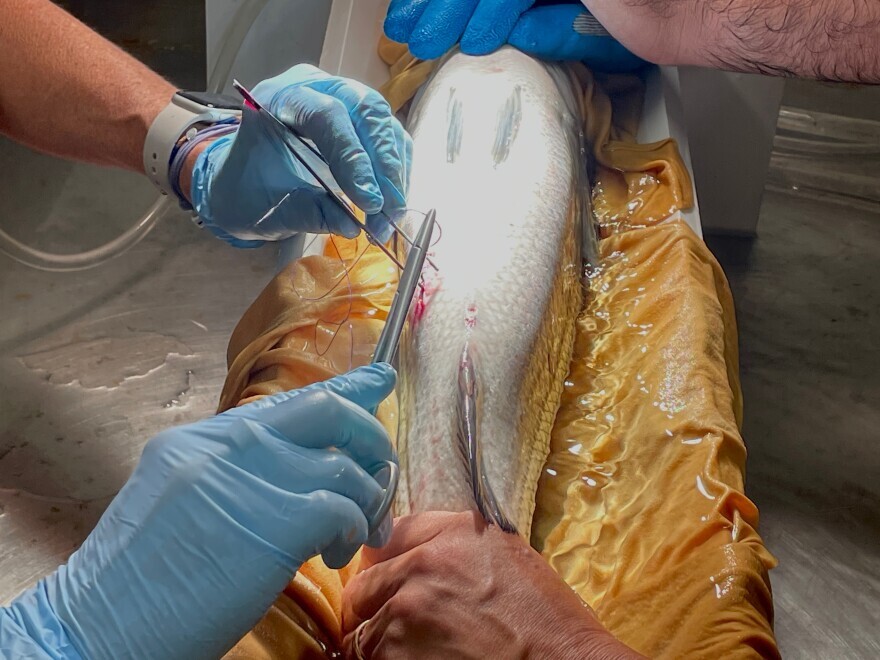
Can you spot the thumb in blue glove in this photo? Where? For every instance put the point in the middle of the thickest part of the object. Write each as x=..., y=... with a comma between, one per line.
x=247, y=187
x=569, y=32
x=213, y=523
x=432, y=27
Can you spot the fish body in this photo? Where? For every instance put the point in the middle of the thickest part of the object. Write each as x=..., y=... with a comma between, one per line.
x=498, y=152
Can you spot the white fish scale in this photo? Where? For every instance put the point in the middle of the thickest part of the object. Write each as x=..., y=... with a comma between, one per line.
x=503, y=228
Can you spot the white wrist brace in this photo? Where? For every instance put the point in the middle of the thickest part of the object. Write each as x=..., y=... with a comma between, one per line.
x=182, y=113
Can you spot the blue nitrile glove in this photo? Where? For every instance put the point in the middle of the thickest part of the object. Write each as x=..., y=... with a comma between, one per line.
x=431, y=27
x=569, y=32
x=212, y=525
x=553, y=32
x=240, y=177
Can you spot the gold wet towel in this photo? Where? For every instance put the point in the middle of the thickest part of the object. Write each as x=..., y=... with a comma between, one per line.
x=641, y=507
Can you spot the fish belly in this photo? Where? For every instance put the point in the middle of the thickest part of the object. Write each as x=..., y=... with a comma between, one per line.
x=498, y=152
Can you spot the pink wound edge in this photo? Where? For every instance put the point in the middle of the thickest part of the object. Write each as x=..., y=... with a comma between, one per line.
x=431, y=283
x=470, y=316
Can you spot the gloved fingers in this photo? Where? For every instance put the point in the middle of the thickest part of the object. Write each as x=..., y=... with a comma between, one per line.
x=307, y=208
x=381, y=223
x=548, y=33
x=232, y=240
x=328, y=420
x=307, y=525
x=295, y=469
x=610, y=56
x=340, y=529
x=402, y=18
x=440, y=27
x=321, y=419
x=381, y=134
x=365, y=386
x=325, y=120
x=491, y=24
x=380, y=227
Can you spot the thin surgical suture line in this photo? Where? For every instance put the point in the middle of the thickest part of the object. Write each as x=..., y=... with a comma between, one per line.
x=337, y=325
x=311, y=242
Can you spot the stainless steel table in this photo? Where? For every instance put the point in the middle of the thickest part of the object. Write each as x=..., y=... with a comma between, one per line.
x=92, y=364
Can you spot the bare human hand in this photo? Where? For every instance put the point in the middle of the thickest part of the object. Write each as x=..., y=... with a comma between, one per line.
x=449, y=586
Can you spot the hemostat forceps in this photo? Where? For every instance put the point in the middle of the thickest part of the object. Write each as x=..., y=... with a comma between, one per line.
x=285, y=132
x=386, y=348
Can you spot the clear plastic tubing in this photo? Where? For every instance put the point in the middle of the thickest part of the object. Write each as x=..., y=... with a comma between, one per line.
x=29, y=256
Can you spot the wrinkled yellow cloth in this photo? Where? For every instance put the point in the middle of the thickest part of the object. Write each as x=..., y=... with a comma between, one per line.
x=319, y=317
x=641, y=506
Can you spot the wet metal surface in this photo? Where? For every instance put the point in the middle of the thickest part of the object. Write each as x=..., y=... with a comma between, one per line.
x=92, y=364
x=95, y=363
x=808, y=306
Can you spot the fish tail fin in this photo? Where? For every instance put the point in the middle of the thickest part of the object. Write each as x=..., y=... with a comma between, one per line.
x=469, y=444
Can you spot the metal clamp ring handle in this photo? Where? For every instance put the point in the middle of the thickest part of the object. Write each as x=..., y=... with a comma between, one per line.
x=388, y=499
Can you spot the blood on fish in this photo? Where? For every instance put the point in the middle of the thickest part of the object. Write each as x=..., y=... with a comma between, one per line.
x=470, y=317
x=430, y=285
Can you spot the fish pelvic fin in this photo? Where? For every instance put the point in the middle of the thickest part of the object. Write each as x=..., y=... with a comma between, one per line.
x=469, y=444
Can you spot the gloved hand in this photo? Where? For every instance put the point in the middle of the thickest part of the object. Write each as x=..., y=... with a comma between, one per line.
x=564, y=31
x=569, y=32
x=431, y=27
x=239, y=178
x=213, y=523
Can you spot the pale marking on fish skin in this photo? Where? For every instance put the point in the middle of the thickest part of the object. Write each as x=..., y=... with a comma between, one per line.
x=509, y=118
x=455, y=123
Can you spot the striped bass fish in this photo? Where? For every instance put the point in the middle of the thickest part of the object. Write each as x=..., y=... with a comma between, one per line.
x=498, y=152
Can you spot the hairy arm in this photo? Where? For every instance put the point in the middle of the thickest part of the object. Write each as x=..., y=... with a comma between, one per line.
x=835, y=40
x=67, y=91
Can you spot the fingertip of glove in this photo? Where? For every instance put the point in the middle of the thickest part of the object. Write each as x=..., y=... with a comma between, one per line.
x=369, y=197
x=395, y=29
x=380, y=227
x=386, y=370
x=349, y=230
x=480, y=44
x=427, y=50
x=383, y=371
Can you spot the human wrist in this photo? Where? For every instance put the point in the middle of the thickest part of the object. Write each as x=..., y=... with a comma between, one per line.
x=582, y=639
x=30, y=626
x=187, y=119
x=184, y=181
x=185, y=156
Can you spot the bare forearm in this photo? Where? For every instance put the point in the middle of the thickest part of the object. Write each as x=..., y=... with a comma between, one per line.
x=67, y=91
x=825, y=39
